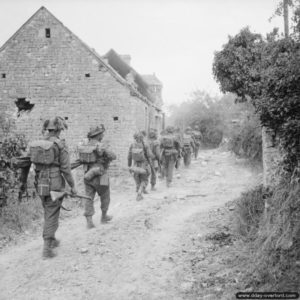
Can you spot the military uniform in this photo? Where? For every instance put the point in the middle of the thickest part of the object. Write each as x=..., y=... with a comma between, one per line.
x=198, y=138
x=59, y=172
x=179, y=139
x=155, y=150
x=188, y=146
x=169, y=154
x=54, y=175
x=100, y=182
x=140, y=177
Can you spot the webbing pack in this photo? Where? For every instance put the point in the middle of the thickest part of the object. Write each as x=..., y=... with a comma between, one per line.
x=42, y=152
x=137, y=152
x=87, y=153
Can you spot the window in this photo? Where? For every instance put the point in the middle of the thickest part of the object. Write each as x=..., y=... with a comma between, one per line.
x=3, y=75
x=66, y=118
x=116, y=118
x=47, y=33
x=87, y=75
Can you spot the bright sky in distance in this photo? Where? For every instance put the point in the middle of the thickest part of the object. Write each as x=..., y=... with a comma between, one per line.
x=175, y=39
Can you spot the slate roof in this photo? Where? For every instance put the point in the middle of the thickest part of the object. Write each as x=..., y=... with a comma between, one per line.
x=152, y=79
x=116, y=61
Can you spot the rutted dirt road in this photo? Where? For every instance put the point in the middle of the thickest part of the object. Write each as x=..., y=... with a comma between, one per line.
x=131, y=258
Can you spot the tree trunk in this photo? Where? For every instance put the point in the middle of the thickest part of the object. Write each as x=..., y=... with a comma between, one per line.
x=286, y=18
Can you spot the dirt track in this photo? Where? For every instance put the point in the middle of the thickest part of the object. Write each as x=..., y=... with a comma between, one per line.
x=131, y=258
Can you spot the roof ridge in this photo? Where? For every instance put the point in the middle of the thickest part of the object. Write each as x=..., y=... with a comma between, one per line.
x=113, y=72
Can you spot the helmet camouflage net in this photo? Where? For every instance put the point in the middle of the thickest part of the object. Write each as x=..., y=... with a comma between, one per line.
x=57, y=123
x=96, y=130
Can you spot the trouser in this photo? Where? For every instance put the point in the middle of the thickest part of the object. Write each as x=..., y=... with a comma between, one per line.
x=196, y=150
x=91, y=188
x=168, y=167
x=141, y=181
x=187, y=157
x=154, y=171
x=51, y=215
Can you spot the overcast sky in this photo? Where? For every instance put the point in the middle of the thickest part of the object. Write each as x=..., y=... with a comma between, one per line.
x=175, y=39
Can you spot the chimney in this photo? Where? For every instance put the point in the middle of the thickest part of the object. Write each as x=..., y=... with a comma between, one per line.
x=126, y=58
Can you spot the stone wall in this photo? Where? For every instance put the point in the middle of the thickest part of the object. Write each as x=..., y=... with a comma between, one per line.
x=60, y=76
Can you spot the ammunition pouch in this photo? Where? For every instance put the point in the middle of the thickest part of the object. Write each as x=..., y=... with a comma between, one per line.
x=43, y=183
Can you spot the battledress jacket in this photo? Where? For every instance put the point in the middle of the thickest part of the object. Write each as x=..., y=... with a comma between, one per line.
x=148, y=153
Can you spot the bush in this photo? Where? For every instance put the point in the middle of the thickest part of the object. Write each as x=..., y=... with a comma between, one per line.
x=249, y=209
x=270, y=222
x=16, y=217
x=246, y=140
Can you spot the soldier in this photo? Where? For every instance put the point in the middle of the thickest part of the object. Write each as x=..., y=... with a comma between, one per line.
x=178, y=137
x=198, y=138
x=155, y=149
x=52, y=168
x=188, y=146
x=96, y=157
x=139, y=153
x=170, y=150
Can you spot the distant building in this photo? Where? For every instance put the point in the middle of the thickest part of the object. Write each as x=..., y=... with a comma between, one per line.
x=46, y=70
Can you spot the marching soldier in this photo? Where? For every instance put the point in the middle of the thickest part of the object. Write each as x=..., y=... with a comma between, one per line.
x=188, y=146
x=198, y=138
x=179, y=139
x=139, y=160
x=52, y=168
x=155, y=149
x=170, y=151
x=96, y=157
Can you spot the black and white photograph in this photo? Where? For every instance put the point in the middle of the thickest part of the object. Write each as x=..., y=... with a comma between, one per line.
x=149, y=149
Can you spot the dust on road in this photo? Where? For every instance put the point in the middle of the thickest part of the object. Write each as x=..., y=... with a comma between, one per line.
x=131, y=258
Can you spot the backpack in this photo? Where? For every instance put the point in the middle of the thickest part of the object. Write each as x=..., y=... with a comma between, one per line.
x=137, y=152
x=42, y=152
x=168, y=141
x=87, y=154
x=198, y=135
x=187, y=140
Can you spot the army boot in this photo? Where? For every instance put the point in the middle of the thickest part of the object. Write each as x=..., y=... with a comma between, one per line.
x=105, y=218
x=139, y=197
x=47, y=250
x=54, y=243
x=89, y=222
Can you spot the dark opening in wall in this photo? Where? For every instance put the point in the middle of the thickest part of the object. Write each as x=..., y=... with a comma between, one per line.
x=23, y=105
x=116, y=118
x=66, y=118
x=47, y=33
x=3, y=75
x=87, y=75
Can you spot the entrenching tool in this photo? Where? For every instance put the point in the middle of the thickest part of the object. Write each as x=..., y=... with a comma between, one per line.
x=56, y=196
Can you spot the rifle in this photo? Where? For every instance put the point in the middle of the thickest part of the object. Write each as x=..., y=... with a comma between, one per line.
x=56, y=196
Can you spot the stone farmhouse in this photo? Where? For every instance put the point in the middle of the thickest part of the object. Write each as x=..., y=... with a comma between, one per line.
x=46, y=70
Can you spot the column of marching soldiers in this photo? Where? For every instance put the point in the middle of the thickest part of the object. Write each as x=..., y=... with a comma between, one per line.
x=149, y=157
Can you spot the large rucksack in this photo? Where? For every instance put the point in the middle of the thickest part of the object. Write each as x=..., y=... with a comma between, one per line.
x=87, y=154
x=42, y=152
x=167, y=141
x=137, y=152
x=187, y=140
x=198, y=135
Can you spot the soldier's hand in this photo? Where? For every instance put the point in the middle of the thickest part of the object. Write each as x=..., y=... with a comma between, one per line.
x=73, y=190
